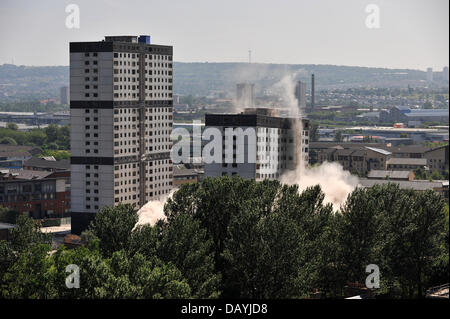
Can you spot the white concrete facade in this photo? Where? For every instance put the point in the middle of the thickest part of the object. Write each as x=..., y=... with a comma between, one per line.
x=275, y=149
x=120, y=131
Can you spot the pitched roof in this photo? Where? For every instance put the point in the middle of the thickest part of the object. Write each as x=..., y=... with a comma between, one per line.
x=184, y=172
x=27, y=174
x=344, y=152
x=379, y=150
x=415, y=185
x=18, y=151
x=382, y=174
x=408, y=149
x=43, y=163
x=426, y=112
x=359, y=153
x=407, y=161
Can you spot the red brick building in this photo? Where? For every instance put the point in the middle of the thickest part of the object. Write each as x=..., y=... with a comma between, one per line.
x=39, y=194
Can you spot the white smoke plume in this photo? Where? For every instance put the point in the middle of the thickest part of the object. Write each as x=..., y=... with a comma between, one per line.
x=153, y=211
x=335, y=182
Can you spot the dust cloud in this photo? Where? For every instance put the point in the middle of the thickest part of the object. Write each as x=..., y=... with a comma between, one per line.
x=153, y=211
x=335, y=182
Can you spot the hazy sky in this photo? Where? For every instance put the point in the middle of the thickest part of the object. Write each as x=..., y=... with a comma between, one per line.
x=413, y=33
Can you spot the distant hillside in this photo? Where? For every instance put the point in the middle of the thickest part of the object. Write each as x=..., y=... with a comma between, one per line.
x=201, y=78
x=28, y=83
x=21, y=83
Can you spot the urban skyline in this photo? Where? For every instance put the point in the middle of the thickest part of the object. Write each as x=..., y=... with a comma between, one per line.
x=126, y=175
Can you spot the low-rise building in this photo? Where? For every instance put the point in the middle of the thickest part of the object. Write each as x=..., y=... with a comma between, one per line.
x=356, y=159
x=416, y=185
x=13, y=156
x=391, y=175
x=184, y=176
x=437, y=159
x=407, y=114
x=39, y=194
x=363, y=158
x=407, y=164
x=43, y=164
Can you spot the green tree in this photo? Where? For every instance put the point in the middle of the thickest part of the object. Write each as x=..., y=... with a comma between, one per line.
x=52, y=133
x=186, y=244
x=12, y=126
x=27, y=233
x=7, y=215
x=435, y=175
x=36, y=137
x=27, y=277
x=415, y=237
x=8, y=141
x=419, y=173
x=7, y=259
x=338, y=137
x=113, y=227
x=357, y=227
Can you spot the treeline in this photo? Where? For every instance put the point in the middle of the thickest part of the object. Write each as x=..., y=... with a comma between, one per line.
x=235, y=238
x=432, y=175
x=53, y=139
x=32, y=107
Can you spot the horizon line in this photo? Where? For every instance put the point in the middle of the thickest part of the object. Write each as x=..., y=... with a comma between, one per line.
x=265, y=63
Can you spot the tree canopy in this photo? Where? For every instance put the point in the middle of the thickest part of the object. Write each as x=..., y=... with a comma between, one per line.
x=235, y=238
